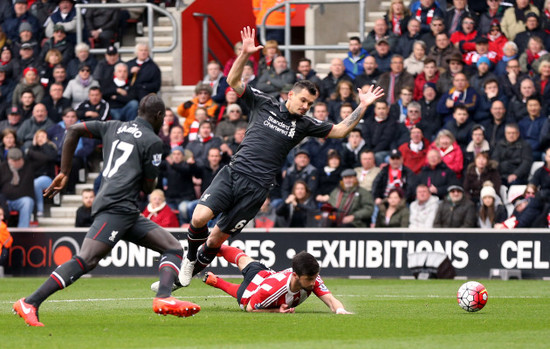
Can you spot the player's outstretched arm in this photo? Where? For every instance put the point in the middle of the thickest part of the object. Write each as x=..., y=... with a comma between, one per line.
x=342, y=129
x=334, y=304
x=249, y=48
x=282, y=309
x=74, y=133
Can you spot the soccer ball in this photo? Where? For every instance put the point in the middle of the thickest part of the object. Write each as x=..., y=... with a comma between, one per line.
x=472, y=296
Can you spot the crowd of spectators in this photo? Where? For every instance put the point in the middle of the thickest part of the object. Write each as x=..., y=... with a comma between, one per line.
x=49, y=82
x=451, y=144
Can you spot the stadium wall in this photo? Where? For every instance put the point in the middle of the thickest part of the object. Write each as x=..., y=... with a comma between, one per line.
x=341, y=252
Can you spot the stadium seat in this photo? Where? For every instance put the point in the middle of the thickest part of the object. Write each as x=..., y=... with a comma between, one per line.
x=513, y=192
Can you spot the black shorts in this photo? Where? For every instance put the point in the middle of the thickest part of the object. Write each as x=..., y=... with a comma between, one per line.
x=249, y=272
x=111, y=227
x=236, y=197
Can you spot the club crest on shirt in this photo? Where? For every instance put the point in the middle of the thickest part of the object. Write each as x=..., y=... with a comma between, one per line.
x=157, y=158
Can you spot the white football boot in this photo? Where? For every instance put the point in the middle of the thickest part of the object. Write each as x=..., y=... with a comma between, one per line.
x=186, y=272
x=155, y=287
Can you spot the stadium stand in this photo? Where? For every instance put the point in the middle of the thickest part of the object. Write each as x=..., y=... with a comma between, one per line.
x=175, y=94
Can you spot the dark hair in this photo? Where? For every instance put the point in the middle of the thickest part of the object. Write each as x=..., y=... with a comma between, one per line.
x=59, y=66
x=305, y=264
x=320, y=104
x=383, y=101
x=490, y=80
x=306, y=85
x=398, y=191
x=94, y=88
x=87, y=190
x=151, y=105
x=304, y=59
x=214, y=148
x=28, y=90
x=356, y=130
x=429, y=60
x=460, y=107
x=478, y=127
x=512, y=125
x=67, y=111
x=533, y=98
x=355, y=38
x=346, y=104
x=57, y=84
x=366, y=150
x=204, y=122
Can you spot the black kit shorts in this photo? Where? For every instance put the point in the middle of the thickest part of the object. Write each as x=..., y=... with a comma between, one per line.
x=112, y=227
x=236, y=197
x=249, y=273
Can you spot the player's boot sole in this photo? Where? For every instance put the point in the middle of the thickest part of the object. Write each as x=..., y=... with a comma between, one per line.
x=28, y=312
x=173, y=306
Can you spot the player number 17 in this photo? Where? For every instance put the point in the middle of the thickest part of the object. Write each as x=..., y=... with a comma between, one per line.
x=110, y=168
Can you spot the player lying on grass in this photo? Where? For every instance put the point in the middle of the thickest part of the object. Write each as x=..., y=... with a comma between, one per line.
x=264, y=290
x=132, y=153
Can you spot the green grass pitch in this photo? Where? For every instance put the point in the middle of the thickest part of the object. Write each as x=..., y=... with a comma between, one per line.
x=116, y=313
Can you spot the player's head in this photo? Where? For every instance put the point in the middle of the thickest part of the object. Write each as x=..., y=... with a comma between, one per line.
x=301, y=97
x=306, y=268
x=152, y=109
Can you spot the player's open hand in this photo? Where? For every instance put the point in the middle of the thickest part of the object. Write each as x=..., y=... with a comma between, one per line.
x=285, y=309
x=248, y=38
x=370, y=95
x=58, y=183
x=342, y=311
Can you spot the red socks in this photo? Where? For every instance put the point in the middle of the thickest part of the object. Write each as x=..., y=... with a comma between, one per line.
x=227, y=287
x=231, y=254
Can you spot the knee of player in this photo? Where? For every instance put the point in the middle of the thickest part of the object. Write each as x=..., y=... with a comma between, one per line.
x=244, y=261
x=201, y=216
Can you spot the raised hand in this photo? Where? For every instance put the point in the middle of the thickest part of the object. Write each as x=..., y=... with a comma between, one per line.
x=248, y=37
x=371, y=95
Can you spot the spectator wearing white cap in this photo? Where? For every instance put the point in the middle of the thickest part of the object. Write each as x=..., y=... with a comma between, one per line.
x=491, y=210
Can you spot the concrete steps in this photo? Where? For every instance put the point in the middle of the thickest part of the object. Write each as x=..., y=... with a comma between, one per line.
x=64, y=215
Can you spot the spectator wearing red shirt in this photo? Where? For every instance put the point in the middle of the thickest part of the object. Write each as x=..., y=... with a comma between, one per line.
x=466, y=34
x=159, y=212
x=414, y=152
x=430, y=73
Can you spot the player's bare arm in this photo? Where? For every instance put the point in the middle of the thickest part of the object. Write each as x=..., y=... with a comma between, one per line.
x=334, y=304
x=249, y=48
x=342, y=129
x=282, y=309
x=74, y=133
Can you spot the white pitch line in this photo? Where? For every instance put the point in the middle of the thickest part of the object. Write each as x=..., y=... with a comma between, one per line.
x=390, y=296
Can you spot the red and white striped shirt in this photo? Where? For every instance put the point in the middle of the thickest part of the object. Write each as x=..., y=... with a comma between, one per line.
x=269, y=289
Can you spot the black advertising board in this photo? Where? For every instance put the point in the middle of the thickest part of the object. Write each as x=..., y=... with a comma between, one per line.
x=341, y=252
